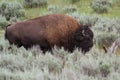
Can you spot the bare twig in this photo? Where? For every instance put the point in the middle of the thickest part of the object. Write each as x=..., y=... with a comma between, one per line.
x=113, y=47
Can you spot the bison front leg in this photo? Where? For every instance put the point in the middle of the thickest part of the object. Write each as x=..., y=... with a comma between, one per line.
x=45, y=48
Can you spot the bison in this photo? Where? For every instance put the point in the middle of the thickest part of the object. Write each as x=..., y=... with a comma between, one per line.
x=49, y=31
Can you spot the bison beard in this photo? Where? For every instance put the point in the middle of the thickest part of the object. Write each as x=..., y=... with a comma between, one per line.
x=50, y=30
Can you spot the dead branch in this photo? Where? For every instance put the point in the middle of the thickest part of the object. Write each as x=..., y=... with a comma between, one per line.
x=113, y=47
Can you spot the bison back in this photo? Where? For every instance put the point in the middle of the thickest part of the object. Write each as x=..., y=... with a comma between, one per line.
x=46, y=31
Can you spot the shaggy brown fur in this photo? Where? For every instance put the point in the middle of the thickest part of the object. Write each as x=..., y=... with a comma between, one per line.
x=50, y=30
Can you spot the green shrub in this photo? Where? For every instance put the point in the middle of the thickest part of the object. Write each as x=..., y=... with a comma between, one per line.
x=34, y=3
x=104, y=69
x=4, y=45
x=58, y=9
x=86, y=19
x=106, y=30
x=101, y=6
x=14, y=20
x=53, y=9
x=69, y=9
x=3, y=22
x=108, y=25
x=11, y=9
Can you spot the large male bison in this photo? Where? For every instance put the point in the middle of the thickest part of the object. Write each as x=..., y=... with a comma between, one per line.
x=49, y=31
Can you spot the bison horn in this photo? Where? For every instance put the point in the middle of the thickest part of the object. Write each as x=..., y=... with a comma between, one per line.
x=83, y=32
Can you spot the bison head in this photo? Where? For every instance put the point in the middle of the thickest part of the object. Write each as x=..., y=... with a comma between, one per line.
x=83, y=38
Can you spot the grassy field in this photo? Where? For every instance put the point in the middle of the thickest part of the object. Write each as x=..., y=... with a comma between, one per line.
x=83, y=7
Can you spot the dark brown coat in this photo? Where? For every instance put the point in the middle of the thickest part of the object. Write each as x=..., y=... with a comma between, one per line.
x=50, y=30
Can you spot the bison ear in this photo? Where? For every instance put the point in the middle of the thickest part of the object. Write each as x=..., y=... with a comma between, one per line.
x=83, y=32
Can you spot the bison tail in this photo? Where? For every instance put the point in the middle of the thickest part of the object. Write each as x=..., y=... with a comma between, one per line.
x=6, y=36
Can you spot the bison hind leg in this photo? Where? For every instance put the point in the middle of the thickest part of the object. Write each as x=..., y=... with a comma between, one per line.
x=16, y=42
x=27, y=46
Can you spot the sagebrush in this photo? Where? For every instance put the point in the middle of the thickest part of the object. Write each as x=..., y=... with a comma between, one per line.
x=32, y=64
